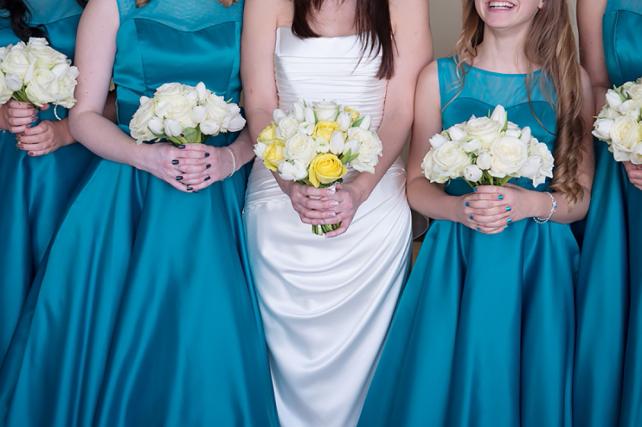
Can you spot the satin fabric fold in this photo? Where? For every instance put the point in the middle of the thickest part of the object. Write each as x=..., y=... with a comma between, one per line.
x=35, y=190
x=144, y=312
x=326, y=302
x=483, y=332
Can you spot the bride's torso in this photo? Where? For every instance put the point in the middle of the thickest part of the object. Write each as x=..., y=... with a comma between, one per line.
x=337, y=69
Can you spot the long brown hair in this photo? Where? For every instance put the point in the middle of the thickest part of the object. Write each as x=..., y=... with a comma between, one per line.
x=551, y=45
x=19, y=16
x=141, y=3
x=372, y=23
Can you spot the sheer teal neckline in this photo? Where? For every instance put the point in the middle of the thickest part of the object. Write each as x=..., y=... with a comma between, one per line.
x=498, y=74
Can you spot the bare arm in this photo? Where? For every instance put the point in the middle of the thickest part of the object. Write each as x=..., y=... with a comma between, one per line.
x=589, y=21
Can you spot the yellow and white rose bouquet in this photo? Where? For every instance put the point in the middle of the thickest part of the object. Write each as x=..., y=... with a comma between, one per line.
x=619, y=123
x=316, y=144
x=487, y=151
x=184, y=114
x=36, y=73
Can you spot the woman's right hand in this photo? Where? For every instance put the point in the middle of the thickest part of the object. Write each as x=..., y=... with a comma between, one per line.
x=18, y=116
x=181, y=168
x=311, y=204
x=486, y=214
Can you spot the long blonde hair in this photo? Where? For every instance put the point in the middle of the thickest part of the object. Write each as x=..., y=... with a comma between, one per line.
x=141, y=3
x=550, y=44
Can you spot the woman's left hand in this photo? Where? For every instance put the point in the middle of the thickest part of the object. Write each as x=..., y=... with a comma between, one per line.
x=349, y=199
x=635, y=174
x=44, y=138
x=198, y=174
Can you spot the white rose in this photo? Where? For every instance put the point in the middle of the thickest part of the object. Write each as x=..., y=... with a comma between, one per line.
x=298, y=109
x=472, y=146
x=202, y=92
x=634, y=91
x=323, y=146
x=431, y=171
x=293, y=171
x=472, y=173
x=306, y=128
x=236, y=124
x=452, y=159
x=545, y=162
x=527, y=135
x=509, y=155
x=483, y=129
x=500, y=116
x=484, y=161
x=345, y=121
x=631, y=108
x=14, y=82
x=175, y=102
x=155, y=125
x=259, y=149
x=287, y=127
x=326, y=111
x=278, y=115
x=456, y=133
x=337, y=143
x=172, y=128
x=625, y=133
x=16, y=63
x=636, y=154
x=210, y=127
x=366, y=122
x=310, y=116
x=438, y=140
x=37, y=89
x=613, y=98
x=370, y=149
x=602, y=129
x=5, y=92
x=300, y=148
x=199, y=113
x=42, y=55
x=139, y=124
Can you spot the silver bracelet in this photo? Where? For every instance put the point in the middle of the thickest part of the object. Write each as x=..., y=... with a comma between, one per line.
x=229, y=150
x=551, y=213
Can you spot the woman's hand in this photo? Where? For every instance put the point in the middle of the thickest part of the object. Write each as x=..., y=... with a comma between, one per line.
x=313, y=205
x=18, y=116
x=179, y=166
x=44, y=138
x=635, y=174
x=348, y=199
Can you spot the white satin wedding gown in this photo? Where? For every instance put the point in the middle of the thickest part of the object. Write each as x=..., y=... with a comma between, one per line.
x=326, y=302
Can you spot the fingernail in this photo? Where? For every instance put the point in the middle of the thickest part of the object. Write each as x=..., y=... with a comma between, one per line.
x=474, y=189
x=509, y=220
x=181, y=146
x=179, y=178
x=207, y=178
x=174, y=162
x=478, y=229
x=466, y=204
x=500, y=197
x=334, y=203
x=189, y=188
x=208, y=166
x=470, y=217
x=207, y=155
x=508, y=209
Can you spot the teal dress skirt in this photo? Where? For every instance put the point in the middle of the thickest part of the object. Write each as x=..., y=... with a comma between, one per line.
x=35, y=190
x=143, y=312
x=484, y=331
x=608, y=365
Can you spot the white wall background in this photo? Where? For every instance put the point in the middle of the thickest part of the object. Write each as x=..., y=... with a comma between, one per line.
x=445, y=21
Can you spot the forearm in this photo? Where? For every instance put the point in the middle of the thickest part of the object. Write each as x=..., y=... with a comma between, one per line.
x=243, y=149
x=105, y=139
x=599, y=95
x=3, y=118
x=64, y=131
x=431, y=200
x=567, y=211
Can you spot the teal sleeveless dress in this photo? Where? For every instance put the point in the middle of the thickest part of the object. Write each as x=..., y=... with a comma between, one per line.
x=143, y=313
x=483, y=333
x=35, y=191
x=621, y=29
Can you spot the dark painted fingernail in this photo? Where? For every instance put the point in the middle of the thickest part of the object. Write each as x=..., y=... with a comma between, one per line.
x=174, y=162
x=500, y=197
x=474, y=189
x=508, y=209
x=478, y=229
x=207, y=155
x=181, y=146
x=466, y=204
x=208, y=166
x=470, y=217
x=189, y=188
x=207, y=178
x=179, y=178
x=509, y=220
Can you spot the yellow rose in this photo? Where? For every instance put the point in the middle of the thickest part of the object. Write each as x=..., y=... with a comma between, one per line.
x=268, y=134
x=274, y=155
x=354, y=114
x=326, y=169
x=324, y=130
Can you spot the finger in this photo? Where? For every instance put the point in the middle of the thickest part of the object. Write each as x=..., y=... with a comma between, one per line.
x=188, y=154
x=189, y=162
x=484, y=204
x=489, y=212
x=187, y=169
x=485, y=196
x=44, y=107
x=21, y=112
x=20, y=121
x=317, y=216
x=42, y=146
x=39, y=153
x=20, y=105
x=176, y=184
x=37, y=130
x=488, y=189
x=193, y=179
x=491, y=231
x=341, y=230
x=33, y=139
x=317, y=192
x=312, y=204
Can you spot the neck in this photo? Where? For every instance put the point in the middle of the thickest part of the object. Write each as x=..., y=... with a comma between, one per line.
x=503, y=51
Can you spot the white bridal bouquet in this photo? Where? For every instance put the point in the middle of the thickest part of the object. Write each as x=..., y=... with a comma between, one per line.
x=619, y=123
x=184, y=114
x=487, y=151
x=34, y=72
x=315, y=144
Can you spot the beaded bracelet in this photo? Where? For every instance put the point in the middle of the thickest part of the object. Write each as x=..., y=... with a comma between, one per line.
x=229, y=150
x=551, y=213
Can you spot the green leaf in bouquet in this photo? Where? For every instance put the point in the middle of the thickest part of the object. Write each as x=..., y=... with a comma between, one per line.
x=348, y=157
x=193, y=135
x=358, y=122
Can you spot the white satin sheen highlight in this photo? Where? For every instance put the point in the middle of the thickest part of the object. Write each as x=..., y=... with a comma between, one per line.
x=326, y=303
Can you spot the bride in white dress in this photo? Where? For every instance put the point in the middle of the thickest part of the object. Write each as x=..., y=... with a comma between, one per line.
x=327, y=302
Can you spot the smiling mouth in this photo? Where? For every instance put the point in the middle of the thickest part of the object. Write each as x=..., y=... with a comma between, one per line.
x=500, y=5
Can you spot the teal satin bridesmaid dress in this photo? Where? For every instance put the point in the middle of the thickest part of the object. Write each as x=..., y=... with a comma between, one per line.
x=621, y=30
x=144, y=313
x=483, y=333
x=35, y=190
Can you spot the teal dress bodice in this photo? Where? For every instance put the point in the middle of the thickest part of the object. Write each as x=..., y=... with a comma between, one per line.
x=483, y=332
x=154, y=319
x=35, y=190
x=608, y=366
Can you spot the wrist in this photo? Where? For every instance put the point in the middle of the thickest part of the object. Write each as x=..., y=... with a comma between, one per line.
x=62, y=127
x=140, y=156
x=540, y=203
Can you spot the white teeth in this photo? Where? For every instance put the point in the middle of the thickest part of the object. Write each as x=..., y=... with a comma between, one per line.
x=500, y=5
